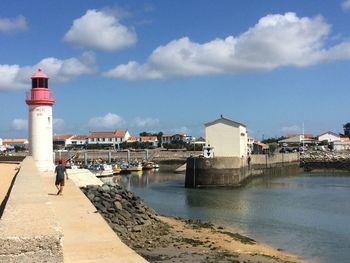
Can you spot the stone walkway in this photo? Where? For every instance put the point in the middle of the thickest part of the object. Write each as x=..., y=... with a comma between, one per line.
x=87, y=237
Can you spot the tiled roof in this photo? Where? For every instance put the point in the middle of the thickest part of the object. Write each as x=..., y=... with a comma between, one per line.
x=79, y=137
x=14, y=141
x=149, y=138
x=133, y=138
x=306, y=135
x=329, y=132
x=263, y=145
x=120, y=133
x=62, y=136
x=101, y=134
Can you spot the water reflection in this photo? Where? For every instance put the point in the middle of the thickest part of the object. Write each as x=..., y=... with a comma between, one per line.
x=307, y=215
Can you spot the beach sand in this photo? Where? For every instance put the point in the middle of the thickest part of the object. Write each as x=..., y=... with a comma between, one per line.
x=178, y=240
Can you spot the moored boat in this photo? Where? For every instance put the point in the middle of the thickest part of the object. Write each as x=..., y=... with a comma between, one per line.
x=135, y=168
x=148, y=166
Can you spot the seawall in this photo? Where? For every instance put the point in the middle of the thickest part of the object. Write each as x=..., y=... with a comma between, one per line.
x=322, y=160
x=235, y=171
x=28, y=227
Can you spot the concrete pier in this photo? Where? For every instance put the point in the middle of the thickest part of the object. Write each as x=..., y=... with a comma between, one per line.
x=39, y=226
x=29, y=231
x=235, y=171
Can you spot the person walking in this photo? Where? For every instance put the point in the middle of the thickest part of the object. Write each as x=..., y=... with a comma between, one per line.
x=61, y=173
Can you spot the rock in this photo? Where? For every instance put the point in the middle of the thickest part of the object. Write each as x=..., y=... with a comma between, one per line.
x=118, y=205
x=118, y=197
x=126, y=213
x=137, y=229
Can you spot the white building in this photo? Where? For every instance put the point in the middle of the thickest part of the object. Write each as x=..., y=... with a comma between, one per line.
x=108, y=138
x=329, y=137
x=2, y=147
x=227, y=137
x=78, y=141
x=250, y=144
x=62, y=140
x=342, y=145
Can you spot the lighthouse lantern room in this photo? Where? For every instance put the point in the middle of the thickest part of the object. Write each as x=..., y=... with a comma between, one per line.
x=40, y=101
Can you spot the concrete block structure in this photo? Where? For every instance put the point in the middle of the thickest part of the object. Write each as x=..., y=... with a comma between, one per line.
x=228, y=138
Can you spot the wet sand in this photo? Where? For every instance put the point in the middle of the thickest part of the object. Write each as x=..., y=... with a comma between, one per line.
x=178, y=240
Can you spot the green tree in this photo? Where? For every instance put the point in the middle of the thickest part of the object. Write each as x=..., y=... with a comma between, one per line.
x=347, y=129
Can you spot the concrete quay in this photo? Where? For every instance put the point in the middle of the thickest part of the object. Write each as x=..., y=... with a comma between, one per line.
x=29, y=231
x=235, y=171
x=39, y=226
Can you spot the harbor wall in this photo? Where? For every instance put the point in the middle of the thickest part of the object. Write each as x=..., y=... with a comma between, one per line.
x=235, y=171
x=29, y=231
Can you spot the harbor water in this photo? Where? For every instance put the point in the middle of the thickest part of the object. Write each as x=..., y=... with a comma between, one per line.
x=308, y=215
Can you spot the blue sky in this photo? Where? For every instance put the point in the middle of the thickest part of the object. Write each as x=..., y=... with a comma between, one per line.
x=172, y=66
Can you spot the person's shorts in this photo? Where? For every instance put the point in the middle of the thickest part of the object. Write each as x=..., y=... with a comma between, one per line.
x=59, y=182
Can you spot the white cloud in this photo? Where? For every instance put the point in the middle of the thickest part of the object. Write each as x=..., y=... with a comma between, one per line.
x=100, y=29
x=9, y=25
x=58, y=124
x=275, y=41
x=20, y=124
x=292, y=128
x=16, y=77
x=346, y=5
x=109, y=121
x=145, y=122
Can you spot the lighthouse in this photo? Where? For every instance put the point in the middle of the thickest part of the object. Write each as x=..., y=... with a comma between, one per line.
x=40, y=101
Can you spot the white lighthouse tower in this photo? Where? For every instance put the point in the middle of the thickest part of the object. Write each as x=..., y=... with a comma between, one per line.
x=40, y=101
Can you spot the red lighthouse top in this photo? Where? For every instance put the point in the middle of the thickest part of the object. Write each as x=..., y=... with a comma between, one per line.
x=40, y=74
x=40, y=94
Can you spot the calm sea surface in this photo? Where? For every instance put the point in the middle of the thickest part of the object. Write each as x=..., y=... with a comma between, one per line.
x=308, y=215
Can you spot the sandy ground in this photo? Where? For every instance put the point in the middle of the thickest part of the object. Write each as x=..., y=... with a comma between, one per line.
x=7, y=172
x=195, y=241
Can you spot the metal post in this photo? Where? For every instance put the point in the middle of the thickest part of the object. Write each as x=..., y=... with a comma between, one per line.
x=128, y=155
x=194, y=172
x=109, y=157
x=146, y=155
x=85, y=158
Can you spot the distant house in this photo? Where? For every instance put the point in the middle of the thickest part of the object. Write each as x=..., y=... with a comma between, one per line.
x=133, y=138
x=228, y=138
x=250, y=144
x=121, y=136
x=306, y=135
x=342, y=145
x=153, y=140
x=78, y=141
x=259, y=147
x=12, y=143
x=297, y=141
x=329, y=137
x=166, y=138
x=113, y=139
x=62, y=140
x=2, y=147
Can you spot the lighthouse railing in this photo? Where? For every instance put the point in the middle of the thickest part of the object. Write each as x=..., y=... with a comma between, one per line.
x=40, y=95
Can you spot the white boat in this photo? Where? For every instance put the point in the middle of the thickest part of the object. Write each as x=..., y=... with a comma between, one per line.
x=102, y=170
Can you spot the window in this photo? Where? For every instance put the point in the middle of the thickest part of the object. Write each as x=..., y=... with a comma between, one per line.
x=39, y=83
